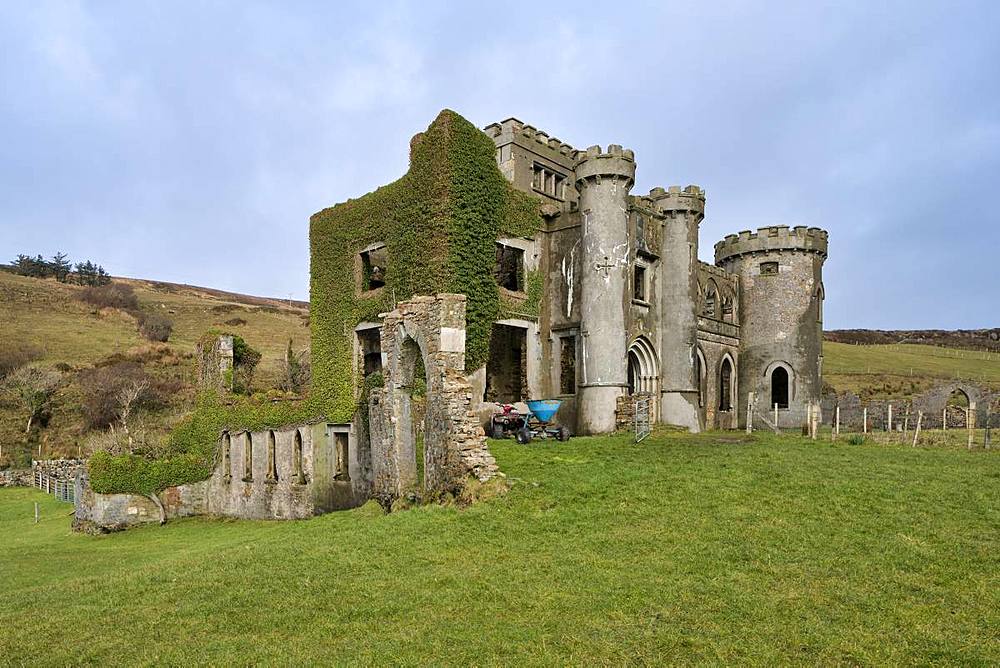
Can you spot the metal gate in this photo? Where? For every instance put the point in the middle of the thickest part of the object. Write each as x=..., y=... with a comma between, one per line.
x=642, y=418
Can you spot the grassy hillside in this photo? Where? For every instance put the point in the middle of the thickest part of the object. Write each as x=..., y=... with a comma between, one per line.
x=684, y=549
x=902, y=370
x=49, y=317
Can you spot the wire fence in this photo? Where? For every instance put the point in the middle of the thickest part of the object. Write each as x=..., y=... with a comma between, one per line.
x=643, y=421
x=63, y=490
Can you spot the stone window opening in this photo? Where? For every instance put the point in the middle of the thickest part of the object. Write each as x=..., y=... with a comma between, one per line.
x=370, y=350
x=547, y=181
x=820, y=296
x=227, y=457
x=374, y=266
x=727, y=308
x=710, y=299
x=567, y=364
x=768, y=268
x=506, y=369
x=699, y=375
x=726, y=386
x=639, y=283
x=247, y=457
x=299, y=472
x=779, y=387
x=341, y=441
x=509, y=269
x=272, y=463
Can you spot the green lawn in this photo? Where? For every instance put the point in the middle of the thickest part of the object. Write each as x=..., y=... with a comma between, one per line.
x=682, y=549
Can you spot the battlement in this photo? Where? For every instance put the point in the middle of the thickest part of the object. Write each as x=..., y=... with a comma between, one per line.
x=690, y=198
x=615, y=162
x=773, y=238
x=515, y=129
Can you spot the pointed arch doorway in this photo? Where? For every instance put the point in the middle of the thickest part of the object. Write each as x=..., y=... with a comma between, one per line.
x=644, y=372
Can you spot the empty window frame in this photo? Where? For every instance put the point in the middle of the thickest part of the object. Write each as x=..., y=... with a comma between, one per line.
x=639, y=291
x=369, y=350
x=374, y=267
x=227, y=457
x=509, y=268
x=768, y=268
x=272, y=458
x=547, y=181
x=299, y=475
x=247, y=457
x=567, y=364
x=341, y=442
x=726, y=386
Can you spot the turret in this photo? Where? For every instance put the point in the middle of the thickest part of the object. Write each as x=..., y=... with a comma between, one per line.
x=781, y=307
x=684, y=210
x=603, y=180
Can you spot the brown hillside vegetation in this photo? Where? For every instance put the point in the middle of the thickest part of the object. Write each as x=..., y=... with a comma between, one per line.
x=46, y=323
x=970, y=339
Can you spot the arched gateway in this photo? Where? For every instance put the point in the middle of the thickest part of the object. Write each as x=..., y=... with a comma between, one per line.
x=431, y=330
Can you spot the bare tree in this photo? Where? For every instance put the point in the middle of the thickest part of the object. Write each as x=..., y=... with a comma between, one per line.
x=34, y=388
x=128, y=397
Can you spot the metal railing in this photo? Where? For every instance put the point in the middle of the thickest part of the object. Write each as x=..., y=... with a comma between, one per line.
x=63, y=490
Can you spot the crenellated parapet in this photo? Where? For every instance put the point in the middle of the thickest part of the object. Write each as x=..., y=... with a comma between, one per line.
x=690, y=199
x=774, y=238
x=616, y=162
x=514, y=130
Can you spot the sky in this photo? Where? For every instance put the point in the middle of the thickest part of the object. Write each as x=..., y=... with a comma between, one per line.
x=191, y=141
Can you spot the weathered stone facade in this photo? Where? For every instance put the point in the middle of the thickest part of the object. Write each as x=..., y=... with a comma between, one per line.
x=623, y=287
x=428, y=333
x=626, y=307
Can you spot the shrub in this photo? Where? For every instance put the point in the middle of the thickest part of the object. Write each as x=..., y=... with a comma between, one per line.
x=102, y=385
x=155, y=327
x=115, y=295
x=14, y=356
x=236, y=322
x=856, y=439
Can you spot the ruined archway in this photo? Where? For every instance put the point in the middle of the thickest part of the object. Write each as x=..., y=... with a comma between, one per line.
x=431, y=331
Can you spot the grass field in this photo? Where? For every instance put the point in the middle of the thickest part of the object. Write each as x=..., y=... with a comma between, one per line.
x=683, y=549
x=900, y=371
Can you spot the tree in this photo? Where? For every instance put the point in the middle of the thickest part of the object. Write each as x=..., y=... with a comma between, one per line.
x=245, y=360
x=296, y=371
x=34, y=388
x=128, y=398
x=60, y=267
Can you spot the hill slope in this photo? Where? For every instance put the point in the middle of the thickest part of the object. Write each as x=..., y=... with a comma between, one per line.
x=48, y=318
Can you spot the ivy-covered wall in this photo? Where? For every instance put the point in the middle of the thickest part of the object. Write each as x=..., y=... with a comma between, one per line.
x=439, y=223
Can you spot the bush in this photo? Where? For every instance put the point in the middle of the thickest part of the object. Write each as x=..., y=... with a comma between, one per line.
x=101, y=386
x=856, y=439
x=115, y=295
x=14, y=356
x=236, y=322
x=155, y=327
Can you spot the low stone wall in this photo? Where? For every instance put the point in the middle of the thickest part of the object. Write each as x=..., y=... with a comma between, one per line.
x=58, y=469
x=114, y=512
x=16, y=478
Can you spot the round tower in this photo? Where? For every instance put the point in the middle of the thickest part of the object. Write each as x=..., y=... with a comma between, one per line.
x=603, y=180
x=684, y=210
x=780, y=272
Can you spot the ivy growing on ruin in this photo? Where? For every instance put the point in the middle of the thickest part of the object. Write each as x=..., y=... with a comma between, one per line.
x=439, y=224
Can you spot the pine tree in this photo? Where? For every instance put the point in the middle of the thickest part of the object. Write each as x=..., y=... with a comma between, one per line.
x=60, y=266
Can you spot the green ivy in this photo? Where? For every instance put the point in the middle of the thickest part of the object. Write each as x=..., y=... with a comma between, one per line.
x=439, y=222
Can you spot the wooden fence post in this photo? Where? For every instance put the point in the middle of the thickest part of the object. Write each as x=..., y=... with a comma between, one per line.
x=889, y=421
x=916, y=432
x=749, y=412
x=864, y=418
x=36, y=512
x=944, y=418
x=775, y=416
x=836, y=424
